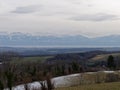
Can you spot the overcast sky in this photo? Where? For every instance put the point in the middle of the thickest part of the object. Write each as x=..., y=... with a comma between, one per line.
x=61, y=17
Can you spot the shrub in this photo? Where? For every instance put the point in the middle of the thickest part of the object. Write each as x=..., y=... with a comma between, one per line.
x=111, y=77
x=9, y=77
x=50, y=85
x=47, y=85
x=26, y=87
x=1, y=85
x=43, y=86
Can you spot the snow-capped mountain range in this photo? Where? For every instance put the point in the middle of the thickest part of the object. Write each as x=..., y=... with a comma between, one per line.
x=22, y=39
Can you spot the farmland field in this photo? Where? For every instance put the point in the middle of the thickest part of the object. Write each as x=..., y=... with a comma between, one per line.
x=104, y=86
x=104, y=57
x=34, y=59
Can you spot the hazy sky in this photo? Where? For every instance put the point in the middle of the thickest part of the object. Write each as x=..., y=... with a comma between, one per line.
x=61, y=17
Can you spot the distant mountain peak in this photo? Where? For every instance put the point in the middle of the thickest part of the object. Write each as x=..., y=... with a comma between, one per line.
x=26, y=39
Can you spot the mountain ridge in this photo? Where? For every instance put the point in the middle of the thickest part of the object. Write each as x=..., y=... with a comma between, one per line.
x=23, y=39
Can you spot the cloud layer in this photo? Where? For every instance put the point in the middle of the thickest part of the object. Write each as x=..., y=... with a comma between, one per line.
x=27, y=9
x=61, y=17
x=96, y=17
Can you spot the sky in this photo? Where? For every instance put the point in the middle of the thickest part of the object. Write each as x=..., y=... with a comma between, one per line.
x=92, y=18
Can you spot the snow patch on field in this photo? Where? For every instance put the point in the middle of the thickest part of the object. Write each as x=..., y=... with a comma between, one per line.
x=65, y=81
x=62, y=81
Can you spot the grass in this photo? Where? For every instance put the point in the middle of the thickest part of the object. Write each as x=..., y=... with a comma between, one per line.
x=38, y=59
x=104, y=57
x=104, y=86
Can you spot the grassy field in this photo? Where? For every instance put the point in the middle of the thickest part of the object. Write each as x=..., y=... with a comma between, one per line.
x=104, y=57
x=40, y=59
x=104, y=86
x=37, y=59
